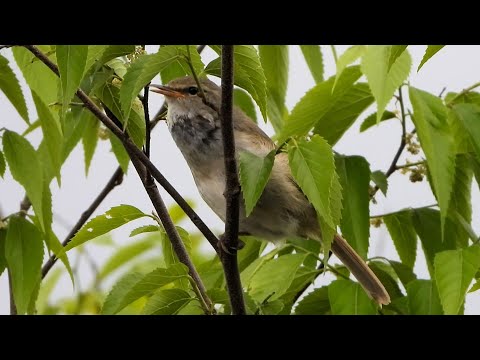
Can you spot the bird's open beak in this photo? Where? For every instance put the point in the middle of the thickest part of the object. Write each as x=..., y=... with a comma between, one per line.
x=165, y=90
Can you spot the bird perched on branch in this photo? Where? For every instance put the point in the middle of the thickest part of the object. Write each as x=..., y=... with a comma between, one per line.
x=283, y=210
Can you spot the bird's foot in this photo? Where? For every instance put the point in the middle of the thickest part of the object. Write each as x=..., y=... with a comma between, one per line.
x=229, y=249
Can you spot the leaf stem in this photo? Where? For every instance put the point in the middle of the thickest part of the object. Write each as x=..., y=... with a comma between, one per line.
x=334, y=52
x=403, y=166
x=463, y=92
x=395, y=212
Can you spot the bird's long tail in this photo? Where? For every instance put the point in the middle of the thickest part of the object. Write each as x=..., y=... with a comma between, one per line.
x=360, y=270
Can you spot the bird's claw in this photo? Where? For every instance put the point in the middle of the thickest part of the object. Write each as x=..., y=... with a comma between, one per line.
x=229, y=249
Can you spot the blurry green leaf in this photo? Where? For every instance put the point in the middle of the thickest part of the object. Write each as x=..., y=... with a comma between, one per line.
x=254, y=172
x=371, y=120
x=423, y=298
x=145, y=229
x=244, y=101
x=315, y=303
x=380, y=179
x=314, y=59
x=404, y=273
x=3, y=165
x=167, y=302
x=120, y=153
x=431, y=50
x=348, y=57
x=272, y=307
x=382, y=81
x=90, y=138
x=118, y=66
x=354, y=174
x=454, y=271
x=3, y=261
x=400, y=227
x=117, y=294
x=348, y=298
x=46, y=289
x=469, y=115
x=24, y=256
x=102, y=224
x=11, y=88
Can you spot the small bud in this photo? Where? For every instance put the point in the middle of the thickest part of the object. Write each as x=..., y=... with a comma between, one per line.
x=376, y=222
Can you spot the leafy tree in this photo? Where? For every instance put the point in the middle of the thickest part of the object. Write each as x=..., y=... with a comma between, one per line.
x=86, y=93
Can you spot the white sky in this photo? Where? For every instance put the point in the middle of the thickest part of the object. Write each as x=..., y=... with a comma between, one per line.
x=454, y=67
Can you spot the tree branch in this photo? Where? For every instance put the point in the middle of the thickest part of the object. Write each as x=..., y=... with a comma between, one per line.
x=232, y=190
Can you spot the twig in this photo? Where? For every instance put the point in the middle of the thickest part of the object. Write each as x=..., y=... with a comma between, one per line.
x=394, y=212
x=463, y=92
x=403, y=166
x=232, y=187
x=194, y=74
x=334, y=52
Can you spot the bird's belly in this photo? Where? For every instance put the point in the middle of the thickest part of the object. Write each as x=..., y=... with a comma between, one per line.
x=211, y=189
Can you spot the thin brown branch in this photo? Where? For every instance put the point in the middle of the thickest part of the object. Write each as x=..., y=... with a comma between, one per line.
x=232, y=187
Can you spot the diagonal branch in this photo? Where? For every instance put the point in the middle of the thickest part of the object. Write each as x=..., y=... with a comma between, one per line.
x=232, y=190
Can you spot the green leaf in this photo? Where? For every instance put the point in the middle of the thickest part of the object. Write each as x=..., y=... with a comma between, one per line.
x=431, y=50
x=275, y=61
x=25, y=167
x=167, y=302
x=3, y=261
x=90, y=138
x=348, y=298
x=74, y=127
x=244, y=101
x=102, y=224
x=71, y=65
x=372, y=119
x=3, y=165
x=469, y=115
x=114, y=298
x=119, y=151
x=249, y=253
x=348, y=57
x=454, y=271
x=144, y=229
x=404, y=273
x=123, y=255
x=384, y=82
x=24, y=255
x=354, y=174
x=380, y=179
x=314, y=59
x=254, y=174
x=180, y=67
x=430, y=119
x=141, y=72
x=11, y=88
x=94, y=53
x=46, y=288
x=423, y=298
x=387, y=277
x=395, y=52
x=315, y=303
x=475, y=287
x=248, y=73
x=275, y=277
x=272, y=307
x=400, y=227
x=320, y=105
x=114, y=51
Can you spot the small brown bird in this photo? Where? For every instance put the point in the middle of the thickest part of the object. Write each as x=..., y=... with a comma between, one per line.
x=282, y=210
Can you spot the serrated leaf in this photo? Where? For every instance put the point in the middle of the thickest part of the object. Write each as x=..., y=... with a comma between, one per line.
x=454, y=271
x=248, y=73
x=348, y=57
x=24, y=256
x=25, y=167
x=120, y=289
x=395, y=52
x=141, y=72
x=90, y=138
x=119, y=151
x=71, y=61
x=469, y=115
x=114, y=51
x=94, y=53
x=380, y=179
x=3, y=261
x=387, y=278
x=249, y=253
x=475, y=287
x=144, y=229
x=102, y=224
x=3, y=165
x=314, y=59
x=423, y=298
x=431, y=50
x=244, y=101
x=315, y=303
x=430, y=119
x=167, y=302
x=354, y=174
x=348, y=298
x=275, y=277
x=248, y=273
x=371, y=120
x=404, y=273
x=180, y=67
x=320, y=104
x=400, y=227
x=384, y=82
x=11, y=88
x=73, y=131
x=254, y=174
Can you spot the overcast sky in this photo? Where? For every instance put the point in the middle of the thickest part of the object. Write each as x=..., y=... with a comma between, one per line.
x=454, y=67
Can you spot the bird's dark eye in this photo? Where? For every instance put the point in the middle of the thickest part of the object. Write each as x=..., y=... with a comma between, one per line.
x=192, y=90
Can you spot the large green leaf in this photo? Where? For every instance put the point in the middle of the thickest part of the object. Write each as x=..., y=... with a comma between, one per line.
x=25, y=167
x=71, y=61
x=273, y=279
x=3, y=261
x=320, y=104
x=431, y=50
x=423, y=298
x=315, y=303
x=348, y=57
x=119, y=151
x=354, y=174
x=348, y=298
x=314, y=59
x=430, y=118
x=180, y=67
x=11, y=88
x=94, y=53
x=387, y=277
x=382, y=81
x=469, y=115
x=74, y=127
x=372, y=119
x=381, y=180
x=454, y=271
x=24, y=255
x=248, y=73
x=167, y=302
x=114, y=51
x=102, y=224
x=3, y=165
x=395, y=52
x=400, y=227
x=405, y=274
x=90, y=138
x=244, y=101
x=254, y=174
x=134, y=286
x=46, y=289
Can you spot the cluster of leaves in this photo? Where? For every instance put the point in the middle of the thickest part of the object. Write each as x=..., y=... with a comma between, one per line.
x=338, y=186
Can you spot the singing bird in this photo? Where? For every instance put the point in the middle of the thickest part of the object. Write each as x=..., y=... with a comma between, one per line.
x=283, y=210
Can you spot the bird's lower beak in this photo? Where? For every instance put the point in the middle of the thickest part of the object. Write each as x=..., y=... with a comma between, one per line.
x=165, y=90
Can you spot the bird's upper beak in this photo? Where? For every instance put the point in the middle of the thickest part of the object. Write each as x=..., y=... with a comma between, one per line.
x=165, y=90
